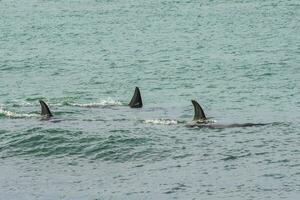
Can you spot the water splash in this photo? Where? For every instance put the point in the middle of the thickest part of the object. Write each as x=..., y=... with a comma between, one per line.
x=10, y=114
x=161, y=121
x=105, y=102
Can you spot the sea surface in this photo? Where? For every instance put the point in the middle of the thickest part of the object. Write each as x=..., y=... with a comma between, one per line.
x=240, y=59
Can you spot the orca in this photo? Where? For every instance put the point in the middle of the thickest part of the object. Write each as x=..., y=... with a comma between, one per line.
x=200, y=120
x=45, y=111
x=136, y=100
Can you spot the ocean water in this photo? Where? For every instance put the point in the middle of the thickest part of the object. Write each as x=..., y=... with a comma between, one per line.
x=239, y=59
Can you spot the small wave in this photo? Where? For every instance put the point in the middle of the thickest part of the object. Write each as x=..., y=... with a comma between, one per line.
x=10, y=114
x=234, y=157
x=21, y=103
x=106, y=102
x=161, y=121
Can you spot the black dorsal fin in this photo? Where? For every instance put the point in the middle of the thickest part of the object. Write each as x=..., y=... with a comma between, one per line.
x=199, y=113
x=136, y=101
x=45, y=109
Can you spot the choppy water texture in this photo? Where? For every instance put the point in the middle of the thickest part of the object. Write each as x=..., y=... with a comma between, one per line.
x=239, y=59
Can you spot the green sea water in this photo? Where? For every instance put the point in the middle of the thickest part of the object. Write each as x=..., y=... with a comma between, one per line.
x=239, y=59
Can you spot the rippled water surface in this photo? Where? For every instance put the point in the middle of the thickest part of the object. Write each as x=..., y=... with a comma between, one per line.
x=239, y=59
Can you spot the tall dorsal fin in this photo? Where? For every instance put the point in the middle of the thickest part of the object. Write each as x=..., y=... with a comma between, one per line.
x=136, y=101
x=45, y=109
x=199, y=113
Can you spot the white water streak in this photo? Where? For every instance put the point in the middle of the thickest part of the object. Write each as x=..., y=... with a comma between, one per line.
x=11, y=114
x=161, y=121
x=105, y=102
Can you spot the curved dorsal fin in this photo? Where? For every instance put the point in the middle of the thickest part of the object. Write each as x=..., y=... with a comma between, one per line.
x=45, y=109
x=136, y=101
x=199, y=113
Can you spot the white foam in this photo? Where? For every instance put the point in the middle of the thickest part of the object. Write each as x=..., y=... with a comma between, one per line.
x=11, y=114
x=105, y=102
x=161, y=121
x=211, y=121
